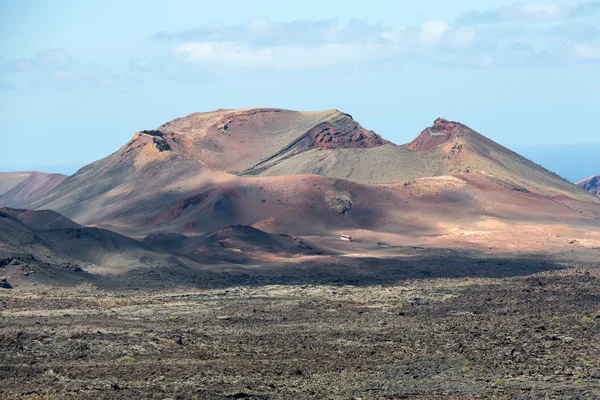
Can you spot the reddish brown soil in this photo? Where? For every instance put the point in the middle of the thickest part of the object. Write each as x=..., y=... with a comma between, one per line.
x=346, y=135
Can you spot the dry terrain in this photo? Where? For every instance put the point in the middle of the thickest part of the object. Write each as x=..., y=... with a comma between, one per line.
x=533, y=336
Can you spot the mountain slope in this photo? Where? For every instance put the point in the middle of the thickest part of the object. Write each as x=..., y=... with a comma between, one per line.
x=20, y=188
x=591, y=184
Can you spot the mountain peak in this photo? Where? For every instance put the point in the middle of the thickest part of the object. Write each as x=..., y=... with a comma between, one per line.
x=440, y=132
x=243, y=139
x=443, y=125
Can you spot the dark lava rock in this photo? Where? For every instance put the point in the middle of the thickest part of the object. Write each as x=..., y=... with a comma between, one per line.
x=4, y=283
x=153, y=132
x=5, y=261
x=72, y=267
x=161, y=144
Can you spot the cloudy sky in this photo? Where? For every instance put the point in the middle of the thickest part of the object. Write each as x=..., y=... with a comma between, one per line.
x=77, y=79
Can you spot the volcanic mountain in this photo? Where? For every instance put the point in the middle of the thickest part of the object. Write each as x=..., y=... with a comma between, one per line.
x=311, y=172
x=18, y=188
x=591, y=184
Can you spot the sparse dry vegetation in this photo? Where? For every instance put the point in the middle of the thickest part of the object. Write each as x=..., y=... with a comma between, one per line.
x=341, y=203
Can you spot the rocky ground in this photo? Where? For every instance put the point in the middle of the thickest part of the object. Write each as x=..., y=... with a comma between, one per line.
x=524, y=337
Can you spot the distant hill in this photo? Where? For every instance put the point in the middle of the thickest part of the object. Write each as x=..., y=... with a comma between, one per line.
x=20, y=188
x=591, y=184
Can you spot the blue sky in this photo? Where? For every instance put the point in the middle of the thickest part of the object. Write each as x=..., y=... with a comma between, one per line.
x=77, y=79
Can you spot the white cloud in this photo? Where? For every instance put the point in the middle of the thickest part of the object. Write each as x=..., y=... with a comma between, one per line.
x=432, y=32
x=463, y=37
x=239, y=55
x=586, y=52
x=437, y=33
x=547, y=11
x=530, y=12
x=57, y=68
x=260, y=27
x=265, y=32
x=300, y=44
x=398, y=34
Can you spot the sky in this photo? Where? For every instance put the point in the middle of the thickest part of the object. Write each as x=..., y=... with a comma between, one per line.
x=78, y=79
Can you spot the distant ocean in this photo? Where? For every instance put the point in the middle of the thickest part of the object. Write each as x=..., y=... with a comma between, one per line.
x=572, y=162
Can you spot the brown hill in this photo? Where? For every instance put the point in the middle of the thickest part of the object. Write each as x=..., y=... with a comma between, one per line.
x=591, y=184
x=20, y=188
x=320, y=172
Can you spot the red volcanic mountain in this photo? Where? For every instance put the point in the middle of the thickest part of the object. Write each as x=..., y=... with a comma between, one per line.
x=19, y=188
x=313, y=172
x=591, y=184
